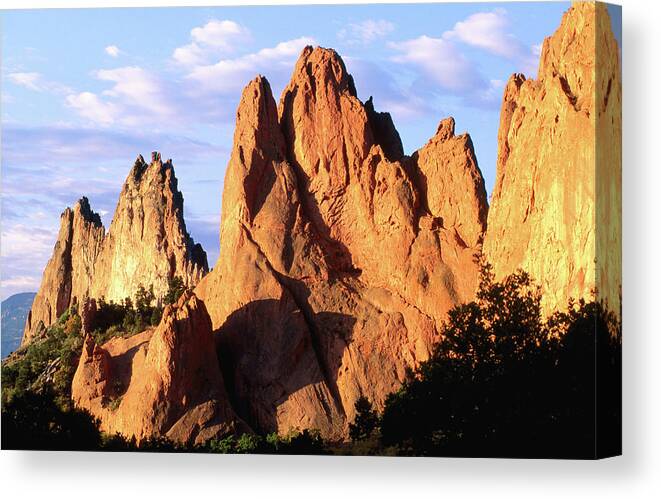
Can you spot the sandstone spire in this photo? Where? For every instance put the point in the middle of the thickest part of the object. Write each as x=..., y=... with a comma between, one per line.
x=67, y=277
x=333, y=272
x=555, y=209
x=247, y=294
x=147, y=244
x=452, y=183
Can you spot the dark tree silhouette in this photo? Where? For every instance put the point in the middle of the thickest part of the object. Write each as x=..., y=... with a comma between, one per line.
x=504, y=382
x=366, y=421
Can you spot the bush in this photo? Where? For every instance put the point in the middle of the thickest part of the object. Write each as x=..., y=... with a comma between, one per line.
x=304, y=442
x=176, y=288
x=35, y=421
x=59, y=348
x=156, y=316
x=366, y=421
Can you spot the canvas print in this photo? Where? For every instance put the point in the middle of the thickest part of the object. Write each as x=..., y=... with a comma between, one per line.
x=388, y=230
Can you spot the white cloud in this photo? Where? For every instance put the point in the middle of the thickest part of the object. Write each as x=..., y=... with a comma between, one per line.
x=89, y=106
x=440, y=60
x=490, y=31
x=25, y=251
x=35, y=81
x=230, y=75
x=135, y=98
x=30, y=283
x=112, y=50
x=27, y=80
x=214, y=39
x=19, y=240
x=219, y=34
x=366, y=32
x=72, y=145
x=138, y=88
x=19, y=284
x=389, y=95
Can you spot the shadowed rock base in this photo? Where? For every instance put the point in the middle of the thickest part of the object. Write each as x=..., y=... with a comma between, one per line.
x=161, y=382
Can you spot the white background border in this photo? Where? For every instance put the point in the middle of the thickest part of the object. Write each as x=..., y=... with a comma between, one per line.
x=636, y=474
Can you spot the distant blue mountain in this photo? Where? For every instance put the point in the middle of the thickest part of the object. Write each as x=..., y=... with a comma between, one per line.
x=14, y=312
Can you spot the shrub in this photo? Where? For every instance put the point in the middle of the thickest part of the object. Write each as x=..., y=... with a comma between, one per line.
x=156, y=316
x=176, y=288
x=366, y=420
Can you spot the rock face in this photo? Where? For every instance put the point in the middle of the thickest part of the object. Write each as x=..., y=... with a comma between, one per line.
x=555, y=208
x=146, y=244
x=68, y=274
x=162, y=382
x=336, y=266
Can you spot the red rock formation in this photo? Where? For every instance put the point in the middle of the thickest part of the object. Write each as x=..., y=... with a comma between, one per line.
x=162, y=382
x=340, y=256
x=147, y=244
x=555, y=209
x=335, y=269
x=68, y=275
x=452, y=183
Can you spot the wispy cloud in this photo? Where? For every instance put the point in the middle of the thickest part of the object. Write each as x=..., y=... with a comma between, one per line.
x=137, y=97
x=198, y=92
x=441, y=61
x=36, y=146
x=35, y=81
x=442, y=66
x=91, y=107
x=230, y=75
x=216, y=38
x=138, y=88
x=20, y=273
x=401, y=101
x=19, y=239
x=365, y=32
x=490, y=31
x=113, y=51
x=27, y=80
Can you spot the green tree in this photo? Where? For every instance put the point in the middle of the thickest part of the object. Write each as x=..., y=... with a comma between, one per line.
x=365, y=422
x=176, y=288
x=143, y=302
x=156, y=314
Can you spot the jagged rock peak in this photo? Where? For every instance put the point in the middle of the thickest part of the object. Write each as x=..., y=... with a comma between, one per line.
x=147, y=241
x=257, y=120
x=385, y=133
x=321, y=85
x=147, y=244
x=328, y=279
x=67, y=276
x=452, y=184
x=569, y=54
x=321, y=65
x=445, y=128
x=83, y=207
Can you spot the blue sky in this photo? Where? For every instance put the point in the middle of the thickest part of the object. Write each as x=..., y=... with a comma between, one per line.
x=85, y=91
